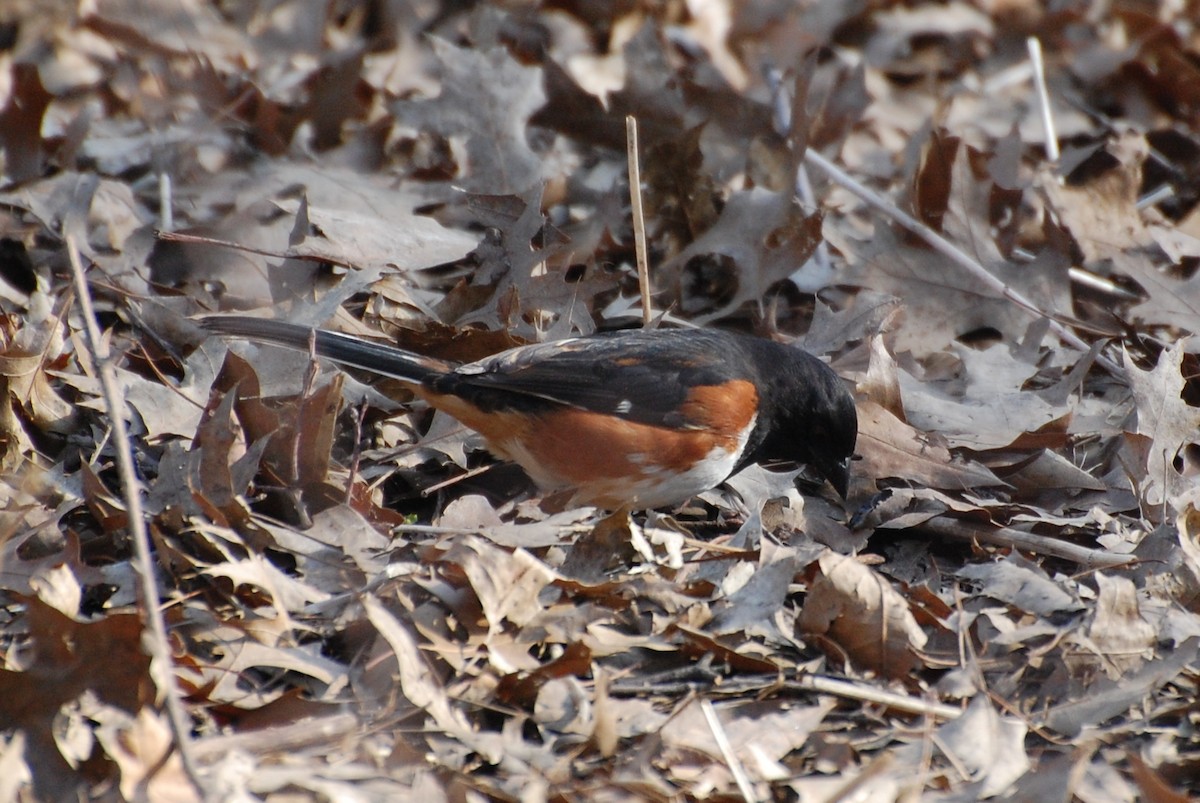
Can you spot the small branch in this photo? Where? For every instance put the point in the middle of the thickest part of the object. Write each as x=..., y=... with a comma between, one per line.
x=1101, y=284
x=156, y=642
x=360, y=415
x=1039, y=82
x=1154, y=197
x=807, y=683
x=196, y=239
x=731, y=759
x=639, y=220
x=1018, y=539
x=457, y=478
x=290, y=736
x=872, y=694
x=435, y=529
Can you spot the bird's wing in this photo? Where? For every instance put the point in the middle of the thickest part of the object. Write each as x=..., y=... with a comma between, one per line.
x=646, y=377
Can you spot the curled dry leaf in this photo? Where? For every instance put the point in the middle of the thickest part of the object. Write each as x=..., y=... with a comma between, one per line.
x=23, y=367
x=507, y=584
x=143, y=748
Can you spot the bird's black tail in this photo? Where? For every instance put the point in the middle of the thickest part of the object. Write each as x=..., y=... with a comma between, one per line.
x=340, y=348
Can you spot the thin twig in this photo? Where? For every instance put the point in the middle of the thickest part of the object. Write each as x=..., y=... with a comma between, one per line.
x=808, y=683
x=639, y=220
x=1039, y=82
x=437, y=529
x=1101, y=284
x=1018, y=539
x=731, y=759
x=360, y=415
x=457, y=478
x=293, y=736
x=948, y=249
x=166, y=212
x=288, y=253
x=160, y=653
x=1154, y=197
x=872, y=694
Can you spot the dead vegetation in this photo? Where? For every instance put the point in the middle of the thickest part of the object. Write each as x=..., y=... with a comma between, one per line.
x=359, y=605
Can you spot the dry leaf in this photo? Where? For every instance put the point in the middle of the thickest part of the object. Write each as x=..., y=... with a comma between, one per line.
x=859, y=611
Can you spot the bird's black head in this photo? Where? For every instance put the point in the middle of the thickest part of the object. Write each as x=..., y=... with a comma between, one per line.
x=813, y=419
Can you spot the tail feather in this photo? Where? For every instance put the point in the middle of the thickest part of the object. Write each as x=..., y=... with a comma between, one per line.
x=340, y=348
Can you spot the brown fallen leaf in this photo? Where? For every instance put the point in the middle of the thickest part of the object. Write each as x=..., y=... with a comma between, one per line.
x=860, y=612
x=21, y=123
x=1022, y=585
x=36, y=347
x=892, y=448
x=758, y=240
x=989, y=411
x=506, y=583
x=142, y=747
x=64, y=659
x=604, y=727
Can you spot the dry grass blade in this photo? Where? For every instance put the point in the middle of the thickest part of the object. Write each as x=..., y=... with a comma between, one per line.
x=1039, y=81
x=639, y=217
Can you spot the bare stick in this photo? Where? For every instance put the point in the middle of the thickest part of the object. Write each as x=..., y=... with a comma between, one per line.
x=731, y=759
x=810, y=683
x=873, y=694
x=156, y=642
x=1039, y=82
x=290, y=253
x=1018, y=539
x=639, y=220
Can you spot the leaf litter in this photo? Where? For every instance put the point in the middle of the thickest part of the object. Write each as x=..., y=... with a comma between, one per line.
x=361, y=603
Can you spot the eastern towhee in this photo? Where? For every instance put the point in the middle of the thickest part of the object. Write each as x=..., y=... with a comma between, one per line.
x=629, y=419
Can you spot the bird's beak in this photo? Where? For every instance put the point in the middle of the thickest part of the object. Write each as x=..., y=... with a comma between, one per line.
x=838, y=475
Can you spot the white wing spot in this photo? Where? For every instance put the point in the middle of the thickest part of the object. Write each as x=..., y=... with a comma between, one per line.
x=624, y=406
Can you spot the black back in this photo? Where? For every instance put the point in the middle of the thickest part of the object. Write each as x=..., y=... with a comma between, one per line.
x=807, y=414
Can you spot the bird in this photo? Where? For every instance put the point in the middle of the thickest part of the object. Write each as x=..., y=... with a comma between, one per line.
x=630, y=419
